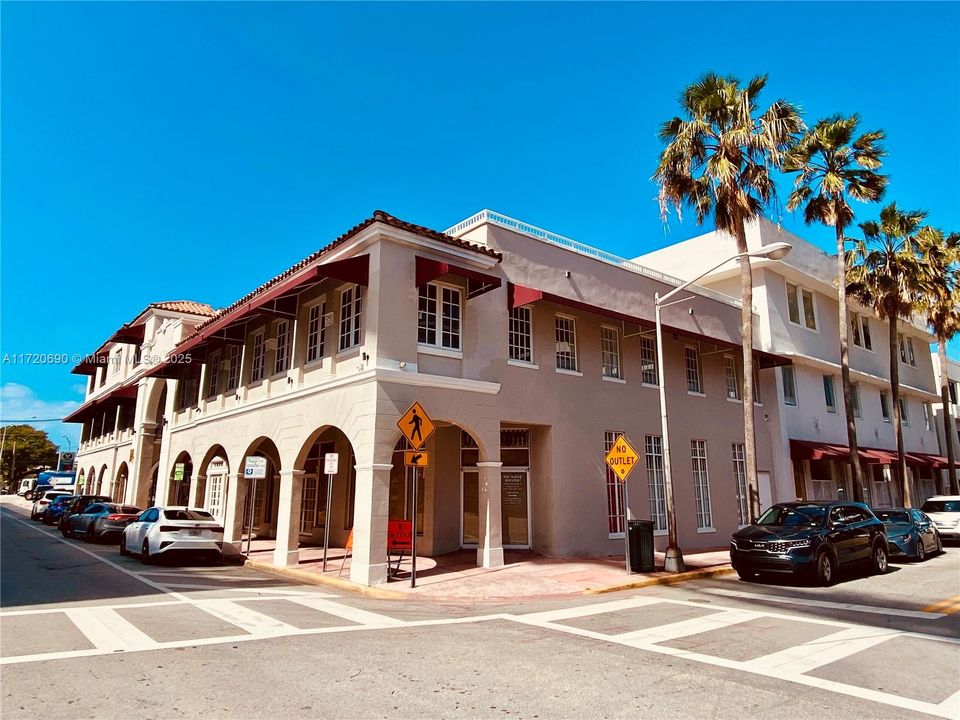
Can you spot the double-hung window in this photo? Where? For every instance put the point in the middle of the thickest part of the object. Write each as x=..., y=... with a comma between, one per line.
x=740, y=474
x=520, y=335
x=438, y=316
x=213, y=374
x=233, y=367
x=648, y=361
x=691, y=359
x=732, y=376
x=860, y=328
x=906, y=351
x=653, y=452
x=800, y=306
x=829, y=395
x=256, y=366
x=610, y=352
x=281, y=360
x=701, y=483
x=351, y=315
x=566, y=338
x=316, y=333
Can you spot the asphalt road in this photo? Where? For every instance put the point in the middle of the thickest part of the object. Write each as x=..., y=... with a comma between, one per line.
x=85, y=633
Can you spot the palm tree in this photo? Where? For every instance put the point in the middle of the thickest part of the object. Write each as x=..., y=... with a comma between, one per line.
x=718, y=159
x=940, y=301
x=884, y=273
x=833, y=167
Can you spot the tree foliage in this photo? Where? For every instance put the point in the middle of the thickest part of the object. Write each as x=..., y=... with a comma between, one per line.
x=29, y=448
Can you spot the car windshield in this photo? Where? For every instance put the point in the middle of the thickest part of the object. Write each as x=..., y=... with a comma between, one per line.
x=941, y=506
x=892, y=516
x=803, y=515
x=187, y=515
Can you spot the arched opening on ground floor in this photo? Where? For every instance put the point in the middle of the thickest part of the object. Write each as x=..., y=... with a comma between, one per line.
x=119, y=490
x=213, y=478
x=260, y=496
x=181, y=475
x=103, y=481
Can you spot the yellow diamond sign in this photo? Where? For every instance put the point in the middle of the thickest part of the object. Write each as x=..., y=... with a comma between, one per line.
x=622, y=458
x=416, y=426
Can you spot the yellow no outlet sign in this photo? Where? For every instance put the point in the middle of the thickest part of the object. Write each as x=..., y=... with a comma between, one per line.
x=622, y=458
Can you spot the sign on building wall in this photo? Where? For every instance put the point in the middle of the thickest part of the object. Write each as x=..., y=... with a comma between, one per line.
x=255, y=468
x=178, y=471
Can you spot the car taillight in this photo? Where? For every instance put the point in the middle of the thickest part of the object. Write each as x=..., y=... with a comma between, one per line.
x=116, y=517
x=169, y=528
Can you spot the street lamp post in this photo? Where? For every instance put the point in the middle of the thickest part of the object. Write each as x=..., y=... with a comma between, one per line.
x=68, y=442
x=673, y=561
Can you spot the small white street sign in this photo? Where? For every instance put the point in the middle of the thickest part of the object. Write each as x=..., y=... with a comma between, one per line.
x=331, y=463
x=255, y=468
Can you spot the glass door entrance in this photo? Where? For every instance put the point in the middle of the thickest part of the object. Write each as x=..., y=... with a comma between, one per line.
x=514, y=508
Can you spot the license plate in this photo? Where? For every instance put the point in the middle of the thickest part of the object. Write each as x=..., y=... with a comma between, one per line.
x=193, y=533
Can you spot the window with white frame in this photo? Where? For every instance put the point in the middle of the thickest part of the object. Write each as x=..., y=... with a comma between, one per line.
x=906, y=350
x=691, y=360
x=904, y=415
x=520, y=334
x=566, y=337
x=701, y=483
x=855, y=397
x=829, y=393
x=438, y=316
x=926, y=416
x=648, y=361
x=233, y=367
x=740, y=474
x=281, y=359
x=213, y=374
x=732, y=376
x=653, y=452
x=614, y=488
x=860, y=328
x=256, y=367
x=801, y=307
x=316, y=332
x=216, y=478
x=789, y=385
x=885, y=406
x=351, y=315
x=610, y=352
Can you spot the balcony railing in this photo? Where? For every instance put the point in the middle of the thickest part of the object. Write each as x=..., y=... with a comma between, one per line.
x=488, y=216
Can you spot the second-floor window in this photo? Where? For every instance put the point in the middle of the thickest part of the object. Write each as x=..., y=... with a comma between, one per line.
x=316, y=332
x=438, y=316
x=800, y=306
x=906, y=351
x=213, y=374
x=648, y=361
x=789, y=385
x=829, y=396
x=885, y=407
x=520, y=335
x=233, y=367
x=860, y=328
x=904, y=415
x=256, y=367
x=566, y=337
x=732, y=376
x=351, y=315
x=282, y=358
x=610, y=352
x=691, y=359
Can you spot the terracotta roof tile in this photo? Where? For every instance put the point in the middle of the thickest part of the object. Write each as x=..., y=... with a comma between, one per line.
x=185, y=306
x=378, y=216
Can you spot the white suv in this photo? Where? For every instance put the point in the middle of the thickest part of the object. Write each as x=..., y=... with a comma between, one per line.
x=944, y=510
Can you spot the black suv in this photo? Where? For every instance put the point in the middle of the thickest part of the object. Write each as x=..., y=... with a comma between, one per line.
x=810, y=538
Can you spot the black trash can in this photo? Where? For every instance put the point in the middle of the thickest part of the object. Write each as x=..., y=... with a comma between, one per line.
x=640, y=534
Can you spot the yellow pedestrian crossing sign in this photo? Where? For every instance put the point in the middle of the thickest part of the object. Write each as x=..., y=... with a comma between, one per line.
x=416, y=426
x=622, y=458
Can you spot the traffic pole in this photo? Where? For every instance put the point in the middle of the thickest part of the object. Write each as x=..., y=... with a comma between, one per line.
x=413, y=534
x=253, y=500
x=626, y=523
x=326, y=520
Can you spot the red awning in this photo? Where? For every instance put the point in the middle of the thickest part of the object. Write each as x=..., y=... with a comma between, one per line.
x=813, y=450
x=478, y=283
x=124, y=394
x=519, y=295
x=89, y=365
x=129, y=334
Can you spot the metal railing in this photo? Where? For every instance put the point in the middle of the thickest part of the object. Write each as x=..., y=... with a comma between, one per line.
x=488, y=216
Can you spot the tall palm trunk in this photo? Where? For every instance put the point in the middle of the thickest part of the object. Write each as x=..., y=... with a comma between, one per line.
x=843, y=324
x=949, y=427
x=901, y=466
x=746, y=333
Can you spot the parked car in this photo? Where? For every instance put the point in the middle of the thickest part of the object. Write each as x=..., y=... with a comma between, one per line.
x=101, y=520
x=814, y=539
x=40, y=505
x=944, y=510
x=910, y=532
x=36, y=492
x=51, y=516
x=162, y=530
x=81, y=503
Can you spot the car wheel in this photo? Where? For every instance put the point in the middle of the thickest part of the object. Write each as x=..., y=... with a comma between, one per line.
x=91, y=534
x=878, y=559
x=939, y=543
x=64, y=531
x=123, y=546
x=921, y=550
x=826, y=568
x=145, y=552
x=746, y=576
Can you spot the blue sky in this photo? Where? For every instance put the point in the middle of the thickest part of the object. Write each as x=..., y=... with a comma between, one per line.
x=191, y=151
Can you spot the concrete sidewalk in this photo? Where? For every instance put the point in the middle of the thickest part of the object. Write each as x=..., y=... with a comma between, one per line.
x=525, y=575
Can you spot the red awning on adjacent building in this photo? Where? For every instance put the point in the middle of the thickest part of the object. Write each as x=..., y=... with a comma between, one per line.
x=813, y=450
x=478, y=283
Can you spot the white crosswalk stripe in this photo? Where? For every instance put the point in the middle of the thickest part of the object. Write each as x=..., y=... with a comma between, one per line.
x=363, y=617
x=255, y=623
x=685, y=628
x=822, y=651
x=107, y=630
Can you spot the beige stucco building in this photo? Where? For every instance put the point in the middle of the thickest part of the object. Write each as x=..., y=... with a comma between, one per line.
x=530, y=351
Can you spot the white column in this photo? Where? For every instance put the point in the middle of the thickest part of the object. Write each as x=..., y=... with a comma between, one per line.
x=287, y=551
x=368, y=565
x=165, y=469
x=490, y=550
x=236, y=495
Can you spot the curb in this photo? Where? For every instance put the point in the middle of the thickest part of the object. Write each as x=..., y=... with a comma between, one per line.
x=663, y=580
x=315, y=579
